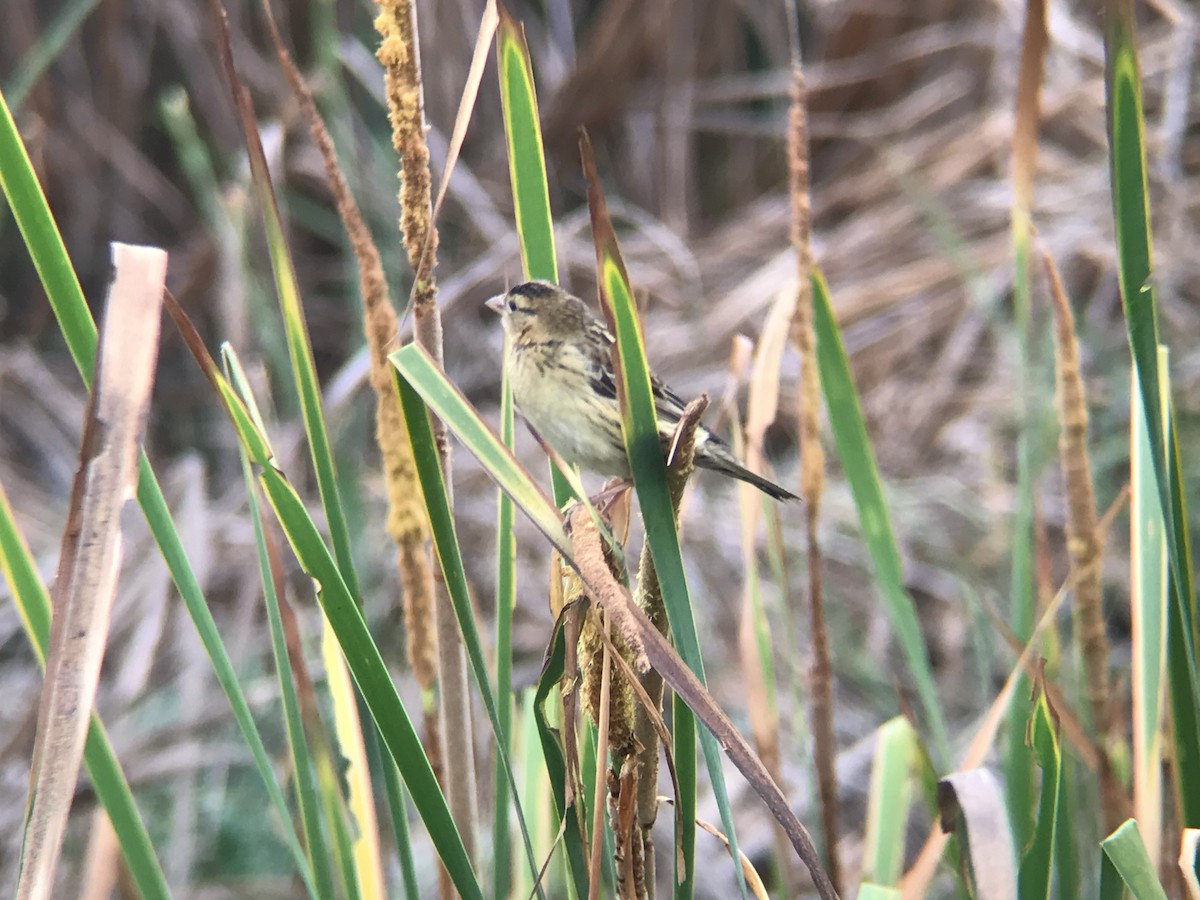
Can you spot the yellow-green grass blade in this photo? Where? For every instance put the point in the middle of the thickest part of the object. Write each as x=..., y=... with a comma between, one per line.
x=1148, y=580
x=454, y=576
x=1131, y=213
x=506, y=595
x=112, y=790
x=639, y=427
x=367, y=666
x=352, y=743
x=527, y=169
x=448, y=404
x=308, y=799
x=1127, y=866
x=49, y=255
x=299, y=346
x=362, y=656
x=526, y=159
x=900, y=767
x=45, y=246
x=421, y=374
x=870, y=891
x=858, y=464
x=1037, y=862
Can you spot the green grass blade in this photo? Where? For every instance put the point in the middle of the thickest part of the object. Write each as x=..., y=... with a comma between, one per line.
x=897, y=769
x=49, y=255
x=1131, y=213
x=445, y=543
x=45, y=246
x=112, y=790
x=367, y=666
x=556, y=768
x=307, y=798
x=527, y=169
x=639, y=427
x=858, y=464
x=448, y=403
x=1037, y=862
x=506, y=595
x=526, y=159
x=1125, y=858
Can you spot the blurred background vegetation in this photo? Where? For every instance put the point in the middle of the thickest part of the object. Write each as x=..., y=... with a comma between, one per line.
x=127, y=119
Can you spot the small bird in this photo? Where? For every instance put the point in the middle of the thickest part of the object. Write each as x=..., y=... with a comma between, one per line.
x=560, y=368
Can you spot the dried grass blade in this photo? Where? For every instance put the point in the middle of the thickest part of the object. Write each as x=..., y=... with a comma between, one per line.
x=90, y=555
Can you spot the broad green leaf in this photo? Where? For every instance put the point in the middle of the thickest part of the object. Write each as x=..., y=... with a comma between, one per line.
x=454, y=576
x=858, y=464
x=1131, y=213
x=527, y=169
x=367, y=666
x=526, y=159
x=899, y=766
x=1126, y=862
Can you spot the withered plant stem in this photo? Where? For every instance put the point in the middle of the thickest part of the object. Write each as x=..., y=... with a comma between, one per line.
x=400, y=55
x=812, y=477
x=1084, y=542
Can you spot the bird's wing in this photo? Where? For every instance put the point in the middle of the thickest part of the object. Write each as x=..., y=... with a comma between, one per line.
x=667, y=404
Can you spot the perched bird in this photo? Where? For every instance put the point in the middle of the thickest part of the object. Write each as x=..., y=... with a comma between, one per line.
x=561, y=373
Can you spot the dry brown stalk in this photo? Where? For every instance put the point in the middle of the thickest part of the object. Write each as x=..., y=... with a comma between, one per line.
x=406, y=521
x=594, y=662
x=400, y=55
x=1083, y=541
x=812, y=477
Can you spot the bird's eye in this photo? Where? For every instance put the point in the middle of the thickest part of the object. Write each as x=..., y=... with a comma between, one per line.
x=511, y=305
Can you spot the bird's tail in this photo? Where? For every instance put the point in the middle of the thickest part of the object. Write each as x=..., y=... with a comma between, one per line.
x=714, y=455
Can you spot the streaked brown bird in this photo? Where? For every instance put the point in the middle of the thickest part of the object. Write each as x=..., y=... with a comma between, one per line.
x=560, y=367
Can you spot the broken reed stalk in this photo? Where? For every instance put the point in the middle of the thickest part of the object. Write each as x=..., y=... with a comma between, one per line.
x=1084, y=543
x=400, y=55
x=812, y=476
x=90, y=554
x=648, y=597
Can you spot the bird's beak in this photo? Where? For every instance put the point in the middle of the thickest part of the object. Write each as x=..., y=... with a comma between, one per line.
x=496, y=304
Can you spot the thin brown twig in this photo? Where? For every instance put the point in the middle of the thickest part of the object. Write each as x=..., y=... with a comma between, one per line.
x=812, y=478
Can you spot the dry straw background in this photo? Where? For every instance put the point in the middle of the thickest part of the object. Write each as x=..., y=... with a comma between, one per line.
x=686, y=101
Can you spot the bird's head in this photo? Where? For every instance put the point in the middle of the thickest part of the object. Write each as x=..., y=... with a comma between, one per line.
x=541, y=311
